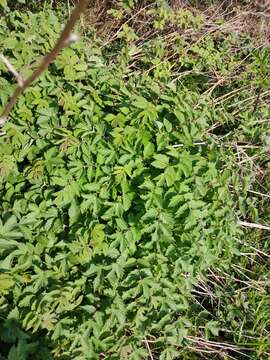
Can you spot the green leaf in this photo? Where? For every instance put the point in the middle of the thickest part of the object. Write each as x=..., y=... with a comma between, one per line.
x=161, y=161
x=73, y=212
x=3, y=3
x=98, y=234
x=170, y=176
x=212, y=328
x=149, y=150
x=6, y=282
x=168, y=125
x=176, y=200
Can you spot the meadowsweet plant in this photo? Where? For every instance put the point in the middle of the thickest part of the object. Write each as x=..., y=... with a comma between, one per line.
x=115, y=194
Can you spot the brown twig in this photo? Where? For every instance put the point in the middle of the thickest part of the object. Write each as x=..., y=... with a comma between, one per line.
x=65, y=39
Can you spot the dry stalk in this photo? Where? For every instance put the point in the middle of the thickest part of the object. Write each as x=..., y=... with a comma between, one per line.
x=246, y=224
x=148, y=349
x=65, y=39
x=213, y=345
x=13, y=71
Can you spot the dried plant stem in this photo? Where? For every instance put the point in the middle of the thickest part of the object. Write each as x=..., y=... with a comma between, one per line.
x=148, y=348
x=218, y=345
x=66, y=38
x=253, y=225
x=11, y=68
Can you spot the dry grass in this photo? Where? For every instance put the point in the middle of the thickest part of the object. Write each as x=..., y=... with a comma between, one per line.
x=253, y=18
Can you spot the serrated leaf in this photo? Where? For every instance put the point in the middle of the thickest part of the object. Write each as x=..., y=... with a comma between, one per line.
x=176, y=200
x=6, y=282
x=149, y=150
x=73, y=212
x=161, y=161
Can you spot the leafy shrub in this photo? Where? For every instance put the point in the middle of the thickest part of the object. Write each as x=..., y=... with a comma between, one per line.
x=109, y=211
x=114, y=196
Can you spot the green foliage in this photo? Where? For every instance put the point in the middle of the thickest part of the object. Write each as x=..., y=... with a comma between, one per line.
x=115, y=190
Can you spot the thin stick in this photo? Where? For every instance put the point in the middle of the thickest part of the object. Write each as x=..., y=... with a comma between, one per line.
x=12, y=69
x=253, y=225
x=65, y=39
x=148, y=348
x=253, y=248
x=194, y=144
x=258, y=193
x=198, y=143
x=221, y=345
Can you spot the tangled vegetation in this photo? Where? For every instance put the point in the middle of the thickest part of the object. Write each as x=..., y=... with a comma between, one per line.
x=134, y=180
